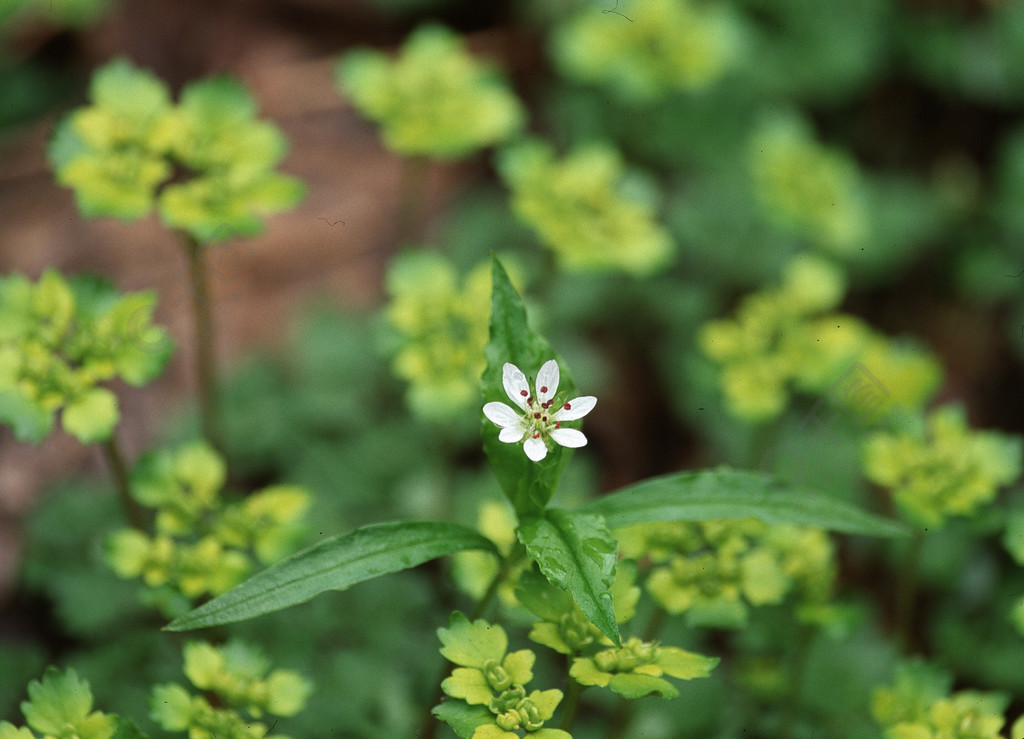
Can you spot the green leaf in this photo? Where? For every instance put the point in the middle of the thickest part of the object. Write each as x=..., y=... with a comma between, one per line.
x=217, y=101
x=92, y=416
x=528, y=485
x=462, y=717
x=725, y=493
x=576, y=553
x=334, y=564
x=127, y=729
x=123, y=87
x=63, y=701
x=27, y=419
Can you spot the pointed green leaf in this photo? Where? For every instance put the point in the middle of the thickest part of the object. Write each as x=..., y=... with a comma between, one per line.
x=576, y=553
x=725, y=493
x=334, y=564
x=528, y=485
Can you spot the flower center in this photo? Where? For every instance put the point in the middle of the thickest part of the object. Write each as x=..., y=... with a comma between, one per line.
x=538, y=415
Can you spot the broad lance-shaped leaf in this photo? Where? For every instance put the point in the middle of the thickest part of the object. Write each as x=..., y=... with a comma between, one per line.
x=528, y=485
x=727, y=493
x=576, y=552
x=334, y=564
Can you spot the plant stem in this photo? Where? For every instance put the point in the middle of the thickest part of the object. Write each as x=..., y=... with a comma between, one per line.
x=655, y=624
x=797, y=672
x=119, y=471
x=507, y=563
x=906, y=596
x=412, y=199
x=205, y=366
x=620, y=720
x=573, y=691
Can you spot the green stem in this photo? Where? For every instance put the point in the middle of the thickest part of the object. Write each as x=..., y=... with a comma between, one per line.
x=412, y=199
x=507, y=563
x=655, y=624
x=573, y=691
x=119, y=471
x=205, y=365
x=906, y=596
x=620, y=720
x=797, y=672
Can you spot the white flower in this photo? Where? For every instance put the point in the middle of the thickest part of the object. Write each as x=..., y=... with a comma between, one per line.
x=534, y=420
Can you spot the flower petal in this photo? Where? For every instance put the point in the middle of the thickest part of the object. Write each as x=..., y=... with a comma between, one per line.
x=577, y=408
x=511, y=435
x=503, y=416
x=569, y=437
x=547, y=381
x=516, y=386
x=535, y=448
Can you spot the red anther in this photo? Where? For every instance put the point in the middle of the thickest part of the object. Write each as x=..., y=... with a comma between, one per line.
x=523, y=393
x=544, y=419
x=545, y=405
x=567, y=406
x=544, y=389
x=536, y=415
x=536, y=435
x=558, y=424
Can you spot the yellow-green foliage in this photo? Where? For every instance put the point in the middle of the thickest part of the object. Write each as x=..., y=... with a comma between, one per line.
x=487, y=690
x=714, y=571
x=783, y=336
x=635, y=669
x=120, y=154
x=918, y=705
x=434, y=99
x=443, y=325
x=578, y=207
x=203, y=544
x=60, y=706
x=59, y=339
x=939, y=467
x=665, y=46
x=808, y=187
x=240, y=678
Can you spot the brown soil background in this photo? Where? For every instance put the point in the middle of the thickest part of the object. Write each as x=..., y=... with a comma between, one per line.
x=335, y=244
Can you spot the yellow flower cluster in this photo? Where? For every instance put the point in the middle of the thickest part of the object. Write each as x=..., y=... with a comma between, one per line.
x=667, y=46
x=442, y=321
x=576, y=207
x=808, y=187
x=785, y=336
x=714, y=571
x=941, y=468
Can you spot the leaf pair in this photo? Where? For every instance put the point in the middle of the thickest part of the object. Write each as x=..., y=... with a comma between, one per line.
x=573, y=549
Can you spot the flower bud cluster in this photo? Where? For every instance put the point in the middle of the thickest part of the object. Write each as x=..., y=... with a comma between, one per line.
x=127, y=152
x=434, y=99
x=488, y=675
x=940, y=468
x=714, y=571
x=59, y=339
x=203, y=544
x=784, y=336
x=245, y=687
x=667, y=46
x=443, y=326
x=579, y=210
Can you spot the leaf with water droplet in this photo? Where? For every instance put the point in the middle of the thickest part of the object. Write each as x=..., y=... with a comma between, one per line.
x=577, y=553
